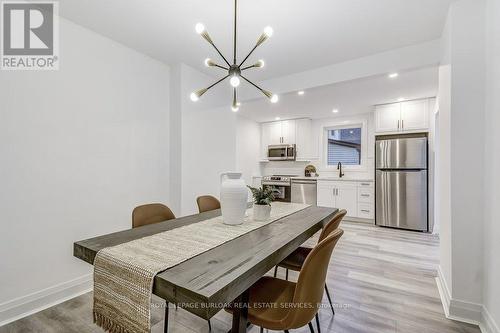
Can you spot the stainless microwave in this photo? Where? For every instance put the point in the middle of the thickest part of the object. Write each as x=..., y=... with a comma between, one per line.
x=281, y=152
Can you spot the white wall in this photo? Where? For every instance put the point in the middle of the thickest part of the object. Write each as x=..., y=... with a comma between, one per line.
x=79, y=147
x=491, y=289
x=248, y=148
x=462, y=179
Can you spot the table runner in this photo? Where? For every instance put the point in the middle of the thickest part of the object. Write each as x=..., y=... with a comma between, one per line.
x=124, y=274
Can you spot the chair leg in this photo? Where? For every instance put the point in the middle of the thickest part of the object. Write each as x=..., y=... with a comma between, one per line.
x=311, y=327
x=317, y=322
x=286, y=331
x=262, y=330
x=209, y=326
x=287, y=274
x=165, y=325
x=275, y=271
x=329, y=299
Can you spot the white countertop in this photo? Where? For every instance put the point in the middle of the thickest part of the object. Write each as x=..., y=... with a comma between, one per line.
x=346, y=179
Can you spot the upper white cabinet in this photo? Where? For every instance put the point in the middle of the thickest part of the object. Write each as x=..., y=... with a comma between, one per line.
x=278, y=132
x=291, y=132
x=387, y=117
x=415, y=115
x=402, y=117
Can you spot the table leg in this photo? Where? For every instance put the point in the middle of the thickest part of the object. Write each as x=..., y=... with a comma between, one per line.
x=165, y=326
x=240, y=313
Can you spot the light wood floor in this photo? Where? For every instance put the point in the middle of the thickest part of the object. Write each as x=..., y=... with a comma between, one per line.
x=383, y=280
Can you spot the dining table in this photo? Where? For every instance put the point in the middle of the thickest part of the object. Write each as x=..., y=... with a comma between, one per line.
x=223, y=275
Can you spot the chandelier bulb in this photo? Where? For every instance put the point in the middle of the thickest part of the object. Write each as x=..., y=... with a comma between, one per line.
x=194, y=97
x=200, y=28
x=208, y=62
x=235, y=81
x=235, y=108
x=260, y=63
x=268, y=31
x=274, y=98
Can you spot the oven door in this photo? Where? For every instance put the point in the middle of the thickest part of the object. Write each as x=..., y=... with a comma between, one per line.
x=282, y=194
x=277, y=153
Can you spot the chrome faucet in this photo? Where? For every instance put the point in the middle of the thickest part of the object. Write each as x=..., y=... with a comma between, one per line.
x=339, y=167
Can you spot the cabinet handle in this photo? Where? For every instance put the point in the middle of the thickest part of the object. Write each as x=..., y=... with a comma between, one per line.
x=398, y=124
x=402, y=124
x=365, y=184
x=365, y=210
x=365, y=195
x=337, y=192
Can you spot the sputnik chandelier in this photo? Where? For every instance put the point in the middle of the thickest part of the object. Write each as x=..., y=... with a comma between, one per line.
x=234, y=70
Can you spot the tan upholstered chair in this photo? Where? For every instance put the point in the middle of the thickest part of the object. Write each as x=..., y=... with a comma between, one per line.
x=295, y=261
x=151, y=213
x=286, y=297
x=207, y=203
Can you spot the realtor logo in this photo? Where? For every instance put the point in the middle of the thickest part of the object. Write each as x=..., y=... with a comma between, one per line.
x=30, y=35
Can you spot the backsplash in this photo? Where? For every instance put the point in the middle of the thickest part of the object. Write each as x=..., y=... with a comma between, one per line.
x=297, y=168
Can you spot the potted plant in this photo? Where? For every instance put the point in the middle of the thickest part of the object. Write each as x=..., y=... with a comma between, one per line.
x=262, y=198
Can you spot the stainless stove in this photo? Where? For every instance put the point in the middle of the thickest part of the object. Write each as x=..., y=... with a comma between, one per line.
x=282, y=184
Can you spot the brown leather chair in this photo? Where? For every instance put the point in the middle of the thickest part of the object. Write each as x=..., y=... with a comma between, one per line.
x=307, y=290
x=151, y=213
x=207, y=203
x=295, y=260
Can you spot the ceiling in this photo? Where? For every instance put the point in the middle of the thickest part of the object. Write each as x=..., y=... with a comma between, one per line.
x=307, y=34
x=350, y=97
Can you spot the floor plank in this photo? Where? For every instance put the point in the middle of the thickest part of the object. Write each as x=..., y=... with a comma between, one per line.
x=383, y=281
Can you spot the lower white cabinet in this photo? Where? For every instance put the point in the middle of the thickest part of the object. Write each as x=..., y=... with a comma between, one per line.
x=355, y=197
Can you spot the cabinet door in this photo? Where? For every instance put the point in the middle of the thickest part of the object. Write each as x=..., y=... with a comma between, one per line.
x=265, y=139
x=275, y=137
x=347, y=198
x=387, y=118
x=325, y=197
x=288, y=131
x=415, y=115
x=303, y=139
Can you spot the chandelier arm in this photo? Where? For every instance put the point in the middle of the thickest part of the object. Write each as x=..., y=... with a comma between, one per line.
x=235, y=21
x=219, y=52
x=221, y=67
x=250, y=53
x=248, y=67
x=217, y=82
x=234, y=98
x=253, y=84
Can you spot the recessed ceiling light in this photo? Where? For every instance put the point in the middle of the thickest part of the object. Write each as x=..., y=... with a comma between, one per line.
x=277, y=118
x=301, y=92
x=335, y=111
x=401, y=99
x=393, y=75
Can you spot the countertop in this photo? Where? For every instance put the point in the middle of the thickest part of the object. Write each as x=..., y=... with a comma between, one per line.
x=344, y=179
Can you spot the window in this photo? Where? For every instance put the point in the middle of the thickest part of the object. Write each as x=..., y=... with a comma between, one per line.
x=344, y=145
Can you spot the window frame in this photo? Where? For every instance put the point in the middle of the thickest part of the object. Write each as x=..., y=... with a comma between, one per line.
x=337, y=125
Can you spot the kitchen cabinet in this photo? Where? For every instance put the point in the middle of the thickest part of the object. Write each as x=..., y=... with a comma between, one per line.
x=403, y=117
x=297, y=131
x=354, y=196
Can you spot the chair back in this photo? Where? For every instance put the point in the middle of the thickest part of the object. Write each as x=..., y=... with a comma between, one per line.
x=332, y=225
x=311, y=282
x=207, y=203
x=151, y=213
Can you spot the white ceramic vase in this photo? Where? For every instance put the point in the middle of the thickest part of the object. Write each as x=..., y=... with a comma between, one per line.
x=261, y=212
x=233, y=198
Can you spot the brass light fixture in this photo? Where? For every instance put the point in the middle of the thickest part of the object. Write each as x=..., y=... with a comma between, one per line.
x=234, y=70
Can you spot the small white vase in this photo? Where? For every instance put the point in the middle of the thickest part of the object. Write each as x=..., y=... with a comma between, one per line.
x=233, y=198
x=261, y=212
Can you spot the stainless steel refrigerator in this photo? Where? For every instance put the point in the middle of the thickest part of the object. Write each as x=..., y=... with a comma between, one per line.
x=401, y=183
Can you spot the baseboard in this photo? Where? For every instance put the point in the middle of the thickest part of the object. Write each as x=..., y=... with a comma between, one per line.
x=24, y=306
x=488, y=324
x=466, y=312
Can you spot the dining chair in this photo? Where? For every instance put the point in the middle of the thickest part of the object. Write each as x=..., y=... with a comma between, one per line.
x=286, y=299
x=295, y=261
x=150, y=213
x=207, y=203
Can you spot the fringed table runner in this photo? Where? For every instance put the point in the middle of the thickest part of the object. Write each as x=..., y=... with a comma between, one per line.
x=124, y=274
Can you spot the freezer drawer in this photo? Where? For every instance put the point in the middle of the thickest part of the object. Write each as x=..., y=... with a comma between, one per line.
x=409, y=153
x=401, y=199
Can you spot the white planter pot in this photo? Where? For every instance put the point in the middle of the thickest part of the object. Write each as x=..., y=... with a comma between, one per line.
x=233, y=198
x=261, y=212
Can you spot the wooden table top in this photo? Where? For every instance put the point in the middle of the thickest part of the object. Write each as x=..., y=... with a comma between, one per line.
x=207, y=281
